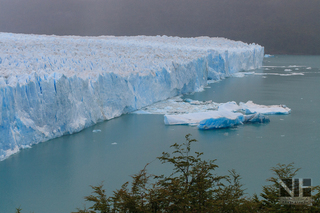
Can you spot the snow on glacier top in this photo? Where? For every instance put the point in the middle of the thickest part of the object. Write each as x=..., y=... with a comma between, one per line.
x=85, y=57
x=56, y=85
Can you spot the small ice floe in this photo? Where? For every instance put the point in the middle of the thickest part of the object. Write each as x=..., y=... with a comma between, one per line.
x=275, y=66
x=241, y=74
x=291, y=74
x=308, y=68
x=292, y=66
x=193, y=102
x=251, y=108
x=96, y=130
x=212, y=81
x=287, y=70
x=288, y=74
x=114, y=143
x=268, y=56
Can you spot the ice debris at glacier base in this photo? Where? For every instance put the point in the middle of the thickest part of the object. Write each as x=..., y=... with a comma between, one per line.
x=211, y=115
x=56, y=85
x=177, y=105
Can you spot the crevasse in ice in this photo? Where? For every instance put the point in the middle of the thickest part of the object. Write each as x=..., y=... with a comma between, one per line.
x=56, y=85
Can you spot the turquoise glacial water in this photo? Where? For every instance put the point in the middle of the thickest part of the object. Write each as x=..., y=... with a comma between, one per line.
x=55, y=176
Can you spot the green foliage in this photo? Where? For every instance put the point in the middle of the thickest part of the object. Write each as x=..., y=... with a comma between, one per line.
x=137, y=198
x=18, y=210
x=192, y=187
x=270, y=193
x=101, y=203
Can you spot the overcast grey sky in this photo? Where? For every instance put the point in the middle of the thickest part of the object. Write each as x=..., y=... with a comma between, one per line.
x=282, y=26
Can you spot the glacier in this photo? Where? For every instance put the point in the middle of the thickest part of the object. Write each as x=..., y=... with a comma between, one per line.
x=56, y=85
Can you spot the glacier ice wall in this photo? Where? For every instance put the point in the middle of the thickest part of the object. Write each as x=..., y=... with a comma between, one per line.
x=56, y=85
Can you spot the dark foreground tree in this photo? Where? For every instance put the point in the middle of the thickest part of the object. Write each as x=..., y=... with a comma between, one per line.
x=192, y=187
x=270, y=193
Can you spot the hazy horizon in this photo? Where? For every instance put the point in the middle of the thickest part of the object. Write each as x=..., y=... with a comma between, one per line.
x=286, y=27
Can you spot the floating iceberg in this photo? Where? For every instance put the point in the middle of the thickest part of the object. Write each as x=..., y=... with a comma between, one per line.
x=214, y=119
x=56, y=85
x=196, y=118
x=231, y=106
x=256, y=118
x=211, y=115
x=225, y=119
x=222, y=120
x=251, y=108
x=178, y=106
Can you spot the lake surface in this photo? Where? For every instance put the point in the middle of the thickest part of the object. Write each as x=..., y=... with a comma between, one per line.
x=55, y=176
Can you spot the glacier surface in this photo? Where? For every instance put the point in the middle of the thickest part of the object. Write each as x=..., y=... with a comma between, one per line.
x=56, y=85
